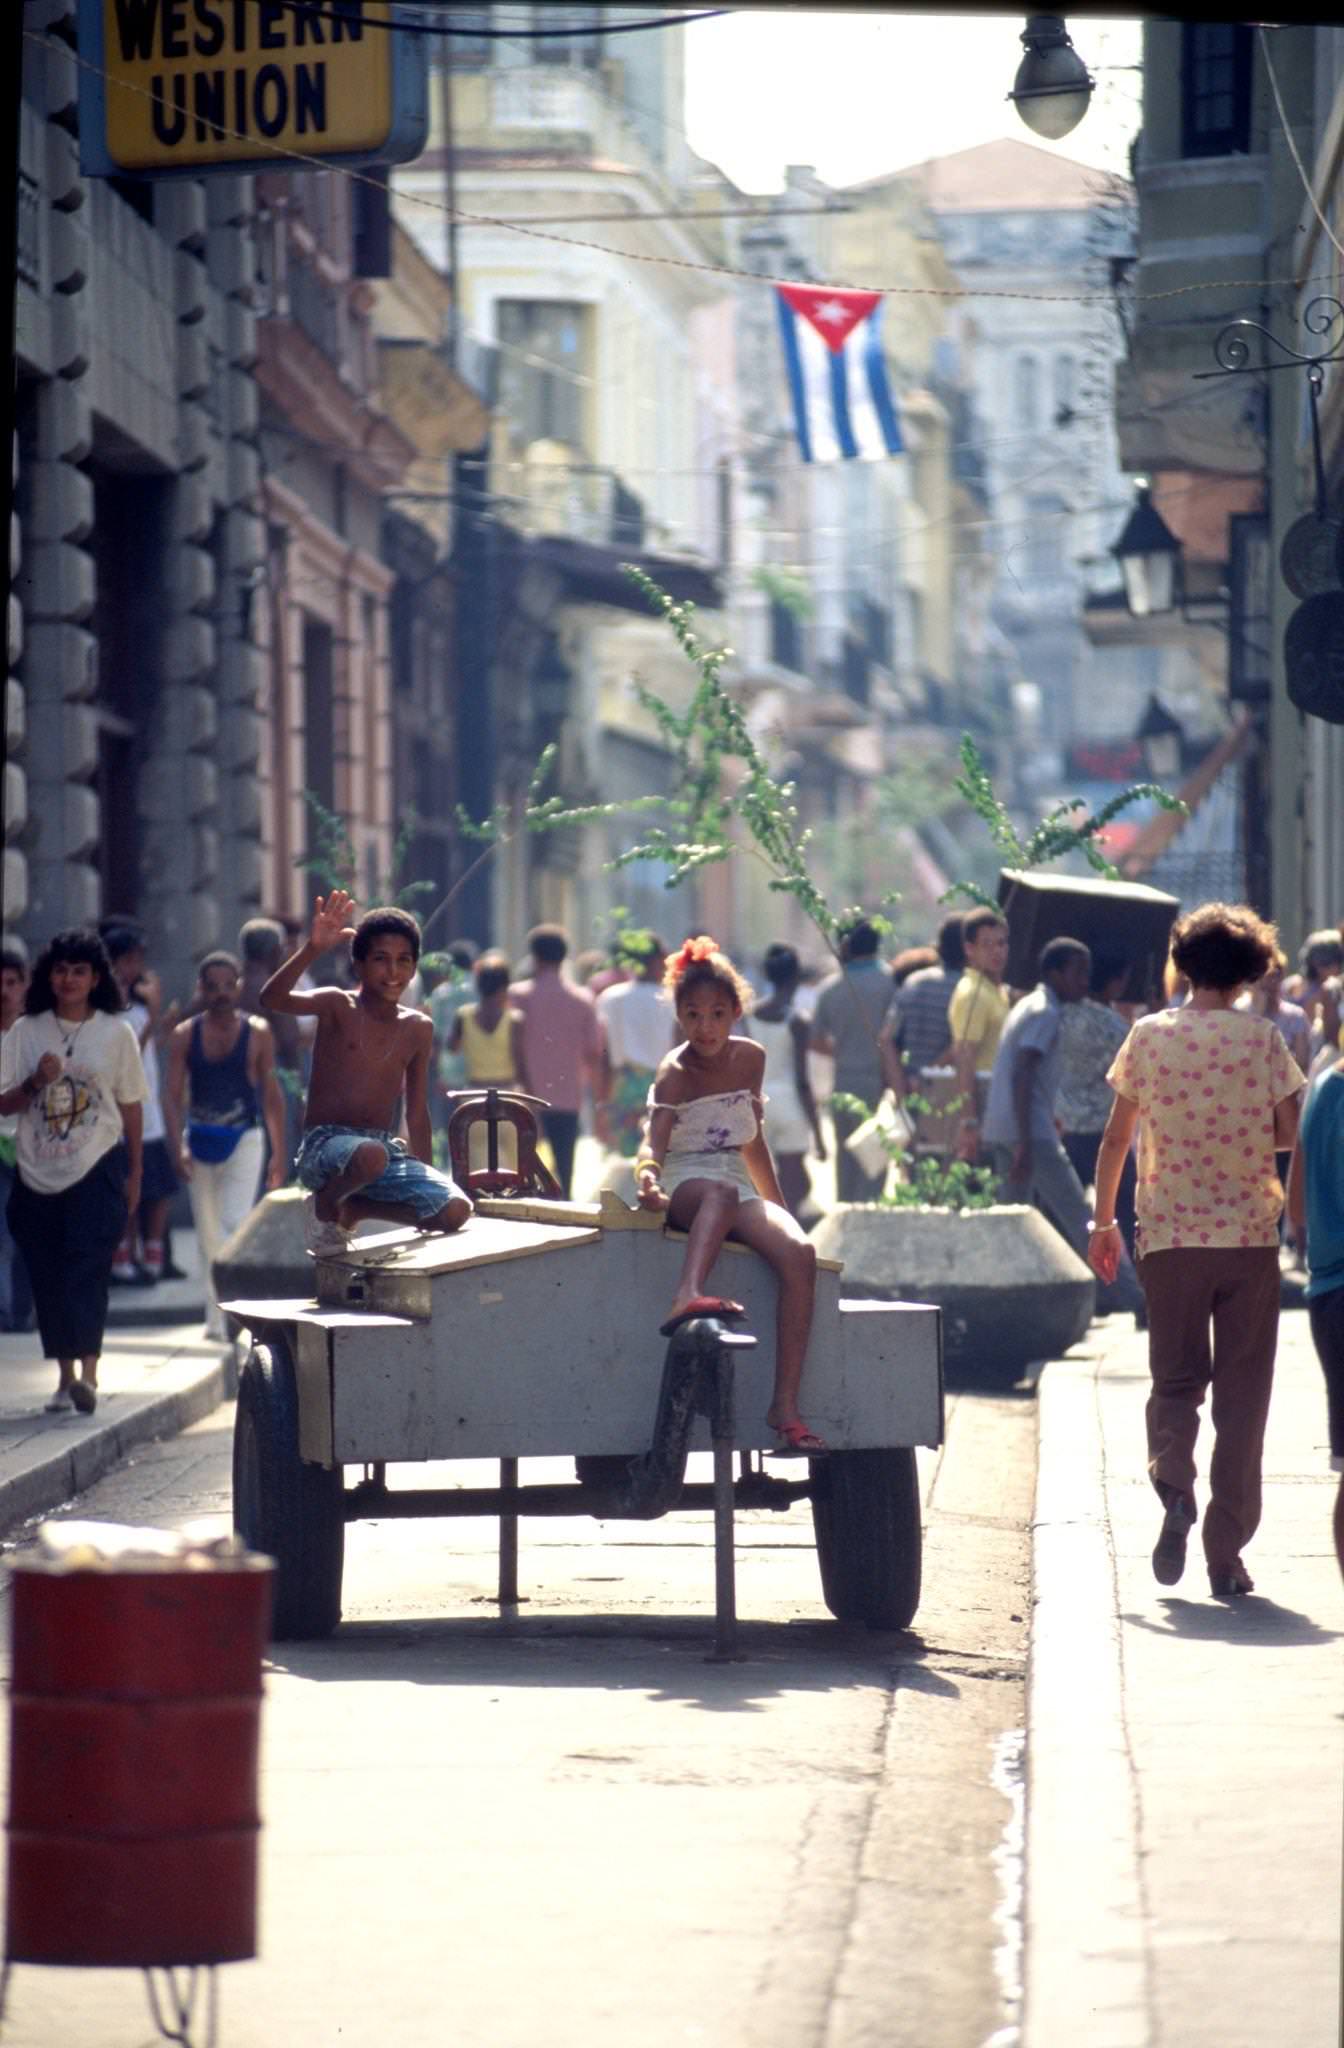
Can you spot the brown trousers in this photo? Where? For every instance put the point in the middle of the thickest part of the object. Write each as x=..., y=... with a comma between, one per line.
x=1236, y=1290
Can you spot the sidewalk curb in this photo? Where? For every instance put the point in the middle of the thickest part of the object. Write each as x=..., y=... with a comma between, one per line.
x=142, y=1315
x=202, y=1382
x=1086, y=1932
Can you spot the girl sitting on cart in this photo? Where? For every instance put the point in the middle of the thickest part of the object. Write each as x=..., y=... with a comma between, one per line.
x=706, y=1163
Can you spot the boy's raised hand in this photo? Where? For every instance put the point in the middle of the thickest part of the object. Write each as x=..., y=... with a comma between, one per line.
x=331, y=920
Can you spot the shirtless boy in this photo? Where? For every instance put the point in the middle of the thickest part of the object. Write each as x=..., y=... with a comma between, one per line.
x=369, y=1047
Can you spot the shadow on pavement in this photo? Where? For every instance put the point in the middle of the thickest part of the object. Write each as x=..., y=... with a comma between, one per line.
x=668, y=1657
x=1251, y=1620
x=967, y=1384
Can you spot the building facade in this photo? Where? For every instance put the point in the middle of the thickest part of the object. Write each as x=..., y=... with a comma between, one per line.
x=138, y=675
x=602, y=427
x=439, y=414
x=1228, y=231
x=1031, y=237
x=211, y=595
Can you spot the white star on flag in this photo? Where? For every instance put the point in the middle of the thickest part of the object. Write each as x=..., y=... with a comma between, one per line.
x=836, y=373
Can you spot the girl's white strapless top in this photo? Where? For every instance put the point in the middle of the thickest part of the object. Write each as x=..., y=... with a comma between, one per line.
x=712, y=1123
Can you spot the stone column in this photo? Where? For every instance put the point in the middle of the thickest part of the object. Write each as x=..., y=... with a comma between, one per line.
x=241, y=611
x=177, y=790
x=13, y=860
x=54, y=578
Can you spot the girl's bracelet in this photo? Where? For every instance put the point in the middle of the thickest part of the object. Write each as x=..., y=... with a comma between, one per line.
x=1093, y=1229
x=647, y=1164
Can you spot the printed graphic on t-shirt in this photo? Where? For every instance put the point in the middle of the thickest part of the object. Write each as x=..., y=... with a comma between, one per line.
x=66, y=1104
x=68, y=1115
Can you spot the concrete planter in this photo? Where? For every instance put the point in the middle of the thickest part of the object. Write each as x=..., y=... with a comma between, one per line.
x=1009, y=1287
x=266, y=1259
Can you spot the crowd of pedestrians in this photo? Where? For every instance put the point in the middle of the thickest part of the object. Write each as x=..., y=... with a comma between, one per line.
x=1158, y=1135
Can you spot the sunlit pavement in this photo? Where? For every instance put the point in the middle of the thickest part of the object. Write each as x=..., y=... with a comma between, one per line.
x=1183, y=1758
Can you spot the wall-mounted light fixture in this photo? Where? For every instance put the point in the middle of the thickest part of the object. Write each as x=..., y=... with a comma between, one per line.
x=1162, y=739
x=1149, y=555
x=1053, y=88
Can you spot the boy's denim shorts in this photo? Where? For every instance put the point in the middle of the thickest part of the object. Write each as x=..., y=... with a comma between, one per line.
x=326, y=1150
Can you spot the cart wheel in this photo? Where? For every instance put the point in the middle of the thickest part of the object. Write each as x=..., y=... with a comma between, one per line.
x=865, y=1510
x=287, y=1509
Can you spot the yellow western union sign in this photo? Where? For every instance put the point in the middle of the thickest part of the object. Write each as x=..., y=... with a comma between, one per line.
x=187, y=85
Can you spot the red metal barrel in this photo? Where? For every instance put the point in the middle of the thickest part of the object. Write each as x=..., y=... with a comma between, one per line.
x=134, y=1725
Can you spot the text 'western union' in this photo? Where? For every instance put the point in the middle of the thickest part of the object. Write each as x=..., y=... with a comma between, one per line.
x=247, y=99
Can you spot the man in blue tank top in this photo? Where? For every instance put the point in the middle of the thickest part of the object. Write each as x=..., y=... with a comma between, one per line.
x=221, y=1088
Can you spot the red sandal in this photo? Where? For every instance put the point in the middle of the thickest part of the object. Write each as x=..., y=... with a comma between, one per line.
x=702, y=1305
x=796, y=1440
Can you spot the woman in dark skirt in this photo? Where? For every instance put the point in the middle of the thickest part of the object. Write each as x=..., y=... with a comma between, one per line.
x=72, y=1070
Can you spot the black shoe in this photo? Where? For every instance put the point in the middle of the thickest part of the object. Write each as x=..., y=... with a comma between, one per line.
x=172, y=1272
x=1169, y=1551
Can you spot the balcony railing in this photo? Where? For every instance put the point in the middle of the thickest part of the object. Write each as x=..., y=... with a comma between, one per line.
x=543, y=99
x=582, y=503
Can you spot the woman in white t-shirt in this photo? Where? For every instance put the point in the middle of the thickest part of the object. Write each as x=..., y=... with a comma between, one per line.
x=72, y=1069
x=778, y=1025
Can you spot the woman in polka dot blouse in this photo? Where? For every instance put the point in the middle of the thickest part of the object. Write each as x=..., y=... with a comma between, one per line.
x=1214, y=1092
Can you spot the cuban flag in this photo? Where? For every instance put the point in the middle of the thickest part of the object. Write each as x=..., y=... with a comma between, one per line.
x=842, y=404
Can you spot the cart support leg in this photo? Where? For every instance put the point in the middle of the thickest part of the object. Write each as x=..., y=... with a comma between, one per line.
x=508, y=1539
x=725, y=1574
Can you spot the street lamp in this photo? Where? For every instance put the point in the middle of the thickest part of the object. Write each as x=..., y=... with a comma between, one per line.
x=1149, y=555
x=1053, y=88
x=1162, y=739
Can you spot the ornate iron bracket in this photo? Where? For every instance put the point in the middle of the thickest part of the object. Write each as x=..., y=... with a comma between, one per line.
x=1232, y=353
x=1232, y=349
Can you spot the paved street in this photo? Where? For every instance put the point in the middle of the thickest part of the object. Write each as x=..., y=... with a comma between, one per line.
x=569, y=1828
x=565, y=1826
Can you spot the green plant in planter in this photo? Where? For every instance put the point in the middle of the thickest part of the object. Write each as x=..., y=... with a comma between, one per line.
x=629, y=944
x=1061, y=831
x=928, y=1183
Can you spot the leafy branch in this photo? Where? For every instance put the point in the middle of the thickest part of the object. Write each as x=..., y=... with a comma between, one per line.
x=332, y=859
x=709, y=733
x=539, y=814
x=1061, y=831
x=333, y=862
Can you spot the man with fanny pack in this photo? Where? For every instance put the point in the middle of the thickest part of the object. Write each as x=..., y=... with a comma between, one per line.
x=221, y=1088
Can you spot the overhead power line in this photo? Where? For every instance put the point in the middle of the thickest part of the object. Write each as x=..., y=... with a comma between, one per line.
x=727, y=271
x=344, y=15
x=573, y=220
